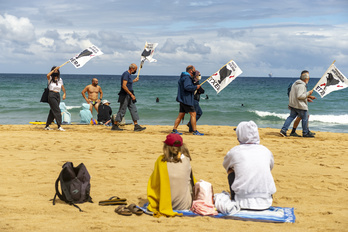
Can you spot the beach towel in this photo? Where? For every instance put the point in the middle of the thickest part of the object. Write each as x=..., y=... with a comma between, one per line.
x=273, y=214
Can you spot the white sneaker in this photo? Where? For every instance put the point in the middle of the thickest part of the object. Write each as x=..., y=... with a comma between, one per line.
x=48, y=128
x=61, y=129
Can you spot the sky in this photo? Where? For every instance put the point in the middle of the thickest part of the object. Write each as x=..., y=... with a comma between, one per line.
x=262, y=37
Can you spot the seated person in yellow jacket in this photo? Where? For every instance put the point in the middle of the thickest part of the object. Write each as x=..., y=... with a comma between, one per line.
x=170, y=185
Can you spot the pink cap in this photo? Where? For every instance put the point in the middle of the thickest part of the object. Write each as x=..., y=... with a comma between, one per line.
x=174, y=140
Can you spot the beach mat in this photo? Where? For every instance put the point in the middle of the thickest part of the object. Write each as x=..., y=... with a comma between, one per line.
x=273, y=214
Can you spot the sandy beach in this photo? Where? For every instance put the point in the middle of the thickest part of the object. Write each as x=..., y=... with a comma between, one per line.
x=311, y=175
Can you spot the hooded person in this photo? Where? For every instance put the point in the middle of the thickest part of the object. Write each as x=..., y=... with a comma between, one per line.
x=66, y=116
x=85, y=114
x=249, y=166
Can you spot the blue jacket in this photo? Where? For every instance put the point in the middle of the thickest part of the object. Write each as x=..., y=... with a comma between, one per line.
x=85, y=114
x=186, y=89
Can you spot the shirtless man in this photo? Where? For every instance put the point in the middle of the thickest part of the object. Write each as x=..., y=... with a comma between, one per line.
x=93, y=90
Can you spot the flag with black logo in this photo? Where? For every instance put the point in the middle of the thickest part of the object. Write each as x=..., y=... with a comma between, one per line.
x=83, y=57
x=224, y=76
x=147, y=54
x=332, y=80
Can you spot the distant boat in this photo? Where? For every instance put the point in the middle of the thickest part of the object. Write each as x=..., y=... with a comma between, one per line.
x=270, y=74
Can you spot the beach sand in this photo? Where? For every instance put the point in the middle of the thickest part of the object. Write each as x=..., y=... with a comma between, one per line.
x=311, y=175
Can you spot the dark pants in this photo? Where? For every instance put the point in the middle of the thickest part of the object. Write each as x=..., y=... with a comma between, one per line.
x=127, y=103
x=53, y=101
x=199, y=113
x=231, y=178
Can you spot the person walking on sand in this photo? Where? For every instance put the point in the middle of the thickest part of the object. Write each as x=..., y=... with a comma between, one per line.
x=93, y=91
x=298, y=105
x=196, y=97
x=55, y=85
x=127, y=99
x=186, y=91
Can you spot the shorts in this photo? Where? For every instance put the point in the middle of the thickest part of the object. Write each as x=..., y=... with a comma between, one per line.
x=186, y=108
x=93, y=103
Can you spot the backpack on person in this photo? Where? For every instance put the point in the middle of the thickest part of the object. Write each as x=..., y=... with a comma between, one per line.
x=289, y=88
x=203, y=202
x=74, y=184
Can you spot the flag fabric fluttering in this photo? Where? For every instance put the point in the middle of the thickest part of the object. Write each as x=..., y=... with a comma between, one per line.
x=148, y=53
x=224, y=76
x=332, y=80
x=82, y=58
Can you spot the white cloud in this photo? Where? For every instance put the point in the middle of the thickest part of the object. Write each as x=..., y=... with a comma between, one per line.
x=16, y=29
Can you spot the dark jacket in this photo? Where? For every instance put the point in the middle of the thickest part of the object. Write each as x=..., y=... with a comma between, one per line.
x=186, y=89
x=104, y=113
x=200, y=91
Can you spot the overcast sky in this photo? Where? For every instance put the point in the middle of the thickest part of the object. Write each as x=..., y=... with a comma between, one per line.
x=282, y=37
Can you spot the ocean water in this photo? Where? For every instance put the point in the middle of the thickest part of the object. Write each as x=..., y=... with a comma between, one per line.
x=263, y=100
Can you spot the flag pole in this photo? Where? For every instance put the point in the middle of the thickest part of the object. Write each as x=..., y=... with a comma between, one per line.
x=323, y=75
x=141, y=62
x=64, y=64
x=217, y=71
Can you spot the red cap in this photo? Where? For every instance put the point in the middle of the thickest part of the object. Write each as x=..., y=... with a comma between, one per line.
x=173, y=140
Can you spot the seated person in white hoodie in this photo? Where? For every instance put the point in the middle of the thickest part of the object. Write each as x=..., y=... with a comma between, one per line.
x=249, y=168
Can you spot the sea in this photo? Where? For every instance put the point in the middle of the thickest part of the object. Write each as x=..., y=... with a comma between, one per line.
x=261, y=99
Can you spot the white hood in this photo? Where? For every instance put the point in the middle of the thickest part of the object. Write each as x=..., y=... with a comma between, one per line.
x=247, y=133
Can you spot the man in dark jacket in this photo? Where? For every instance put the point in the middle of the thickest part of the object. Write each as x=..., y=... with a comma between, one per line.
x=185, y=95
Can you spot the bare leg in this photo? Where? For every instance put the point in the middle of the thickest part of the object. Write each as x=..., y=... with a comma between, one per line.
x=96, y=106
x=193, y=121
x=178, y=119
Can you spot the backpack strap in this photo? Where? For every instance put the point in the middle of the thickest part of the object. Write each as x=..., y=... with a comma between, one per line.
x=58, y=193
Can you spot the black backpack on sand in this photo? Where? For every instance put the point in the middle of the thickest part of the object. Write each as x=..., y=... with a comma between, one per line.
x=75, y=185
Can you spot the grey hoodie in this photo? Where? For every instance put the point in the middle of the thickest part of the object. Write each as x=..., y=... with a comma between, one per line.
x=298, y=95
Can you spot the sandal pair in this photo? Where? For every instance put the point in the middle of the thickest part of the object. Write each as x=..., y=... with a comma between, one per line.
x=114, y=201
x=128, y=210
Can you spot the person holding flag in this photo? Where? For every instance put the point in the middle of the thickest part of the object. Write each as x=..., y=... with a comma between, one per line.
x=127, y=99
x=196, y=97
x=55, y=85
x=186, y=91
x=298, y=105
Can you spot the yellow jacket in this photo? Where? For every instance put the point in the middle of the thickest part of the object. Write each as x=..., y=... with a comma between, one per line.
x=158, y=191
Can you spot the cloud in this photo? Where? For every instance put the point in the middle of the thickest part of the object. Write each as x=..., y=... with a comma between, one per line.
x=16, y=29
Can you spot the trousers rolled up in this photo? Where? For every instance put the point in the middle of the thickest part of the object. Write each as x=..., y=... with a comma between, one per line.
x=53, y=101
x=303, y=114
x=127, y=103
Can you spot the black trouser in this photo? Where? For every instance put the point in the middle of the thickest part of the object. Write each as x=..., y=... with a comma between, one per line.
x=231, y=178
x=53, y=101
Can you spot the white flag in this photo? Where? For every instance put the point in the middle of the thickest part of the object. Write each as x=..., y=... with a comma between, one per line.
x=81, y=59
x=332, y=80
x=224, y=76
x=148, y=53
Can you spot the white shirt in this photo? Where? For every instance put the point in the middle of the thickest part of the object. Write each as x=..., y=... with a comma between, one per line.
x=56, y=87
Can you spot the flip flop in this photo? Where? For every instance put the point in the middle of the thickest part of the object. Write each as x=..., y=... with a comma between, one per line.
x=122, y=210
x=134, y=209
x=114, y=201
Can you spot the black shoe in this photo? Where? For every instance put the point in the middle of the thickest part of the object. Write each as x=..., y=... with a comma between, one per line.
x=116, y=128
x=311, y=133
x=282, y=133
x=308, y=135
x=137, y=127
x=295, y=134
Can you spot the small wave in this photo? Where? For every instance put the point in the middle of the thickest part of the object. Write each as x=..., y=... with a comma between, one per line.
x=72, y=107
x=336, y=119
